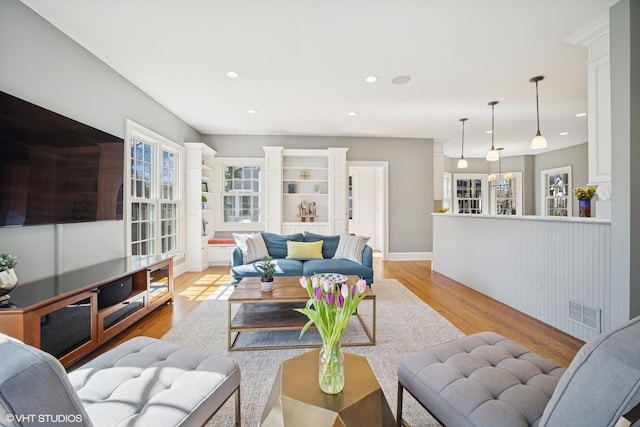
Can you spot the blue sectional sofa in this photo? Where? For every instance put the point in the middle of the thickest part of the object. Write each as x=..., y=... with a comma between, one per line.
x=276, y=245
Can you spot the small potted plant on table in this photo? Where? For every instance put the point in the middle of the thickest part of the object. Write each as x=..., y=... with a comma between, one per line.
x=268, y=268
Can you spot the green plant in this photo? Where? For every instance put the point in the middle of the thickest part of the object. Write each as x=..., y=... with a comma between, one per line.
x=267, y=266
x=7, y=261
x=204, y=199
x=584, y=193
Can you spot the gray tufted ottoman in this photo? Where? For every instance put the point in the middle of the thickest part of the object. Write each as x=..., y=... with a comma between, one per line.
x=142, y=382
x=479, y=380
x=149, y=382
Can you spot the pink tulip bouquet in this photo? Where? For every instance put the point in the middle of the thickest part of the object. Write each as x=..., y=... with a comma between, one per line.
x=329, y=308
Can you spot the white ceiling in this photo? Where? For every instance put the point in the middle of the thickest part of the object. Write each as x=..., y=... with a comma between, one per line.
x=303, y=64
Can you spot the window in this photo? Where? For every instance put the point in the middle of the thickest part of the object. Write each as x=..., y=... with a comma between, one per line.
x=446, y=190
x=239, y=193
x=470, y=196
x=353, y=178
x=506, y=193
x=154, y=196
x=556, y=191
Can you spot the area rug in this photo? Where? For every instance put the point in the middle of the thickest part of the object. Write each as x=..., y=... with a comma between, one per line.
x=404, y=324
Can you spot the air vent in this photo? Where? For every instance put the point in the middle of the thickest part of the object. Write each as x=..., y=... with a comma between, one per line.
x=585, y=315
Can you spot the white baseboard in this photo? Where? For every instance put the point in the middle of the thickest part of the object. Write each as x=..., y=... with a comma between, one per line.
x=410, y=256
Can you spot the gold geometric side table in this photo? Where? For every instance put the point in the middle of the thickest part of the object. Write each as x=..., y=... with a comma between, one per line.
x=296, y=398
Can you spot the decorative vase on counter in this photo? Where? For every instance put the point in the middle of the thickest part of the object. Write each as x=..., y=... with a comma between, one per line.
x=584, y=208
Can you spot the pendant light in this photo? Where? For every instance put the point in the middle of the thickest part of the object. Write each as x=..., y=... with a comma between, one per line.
x=492, y=155
x=538, y=141
x=462, y=163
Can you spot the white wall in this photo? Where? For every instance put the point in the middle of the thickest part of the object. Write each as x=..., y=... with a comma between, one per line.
x=624, y=22
x=42, y=65
x=533, y=264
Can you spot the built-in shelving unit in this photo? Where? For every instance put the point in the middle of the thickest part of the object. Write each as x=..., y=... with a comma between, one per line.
x=306, y=190
x=200, y=214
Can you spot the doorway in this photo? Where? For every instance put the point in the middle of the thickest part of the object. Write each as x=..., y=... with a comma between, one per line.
x=368, y=202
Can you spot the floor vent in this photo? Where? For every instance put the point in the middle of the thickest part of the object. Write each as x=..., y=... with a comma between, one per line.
x=585, y=315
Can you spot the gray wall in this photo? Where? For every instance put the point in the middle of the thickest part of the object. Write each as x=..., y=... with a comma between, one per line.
x=410, y=176
x=530, y=166
x=42, y=65
x=624, y=19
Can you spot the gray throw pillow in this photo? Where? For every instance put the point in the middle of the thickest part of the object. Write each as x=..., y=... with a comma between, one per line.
x=351, y=247
x=252, y=246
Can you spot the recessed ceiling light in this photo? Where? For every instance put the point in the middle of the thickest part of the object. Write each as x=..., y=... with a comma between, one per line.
x=400, y=80
x=564, y=133
x=371, y=79
x=353, y=113
x=581, y=114
x=252, y=111
x=233, y=74
x=489, y=131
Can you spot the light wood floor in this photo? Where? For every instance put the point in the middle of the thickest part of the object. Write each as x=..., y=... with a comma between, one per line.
x=469, y=310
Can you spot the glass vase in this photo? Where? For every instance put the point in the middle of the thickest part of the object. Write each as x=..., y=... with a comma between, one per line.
x=331, y=369
x=584, y=208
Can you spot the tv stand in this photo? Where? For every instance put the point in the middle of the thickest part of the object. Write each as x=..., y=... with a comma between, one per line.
x=61, y=314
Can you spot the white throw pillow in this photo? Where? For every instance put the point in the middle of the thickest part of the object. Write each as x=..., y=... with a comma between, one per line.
x=351, y=247
x=252, y=246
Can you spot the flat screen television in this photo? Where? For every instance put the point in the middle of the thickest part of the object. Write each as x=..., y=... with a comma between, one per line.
x=55, y=170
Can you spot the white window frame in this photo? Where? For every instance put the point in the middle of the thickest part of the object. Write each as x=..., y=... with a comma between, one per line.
x=544, y=190
x=159, y=144
x=516, y=185
x=483, y=186
x=219, y=164
x=352, y=197
x=447, y=185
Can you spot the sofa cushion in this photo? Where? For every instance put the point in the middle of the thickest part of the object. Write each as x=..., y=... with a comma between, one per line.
x=149, y=382
x=304, y=250
x=351, y=247
x=284, y=267
x=341, y=266
x=277, y=243
x=328, y=247
x=252, y=246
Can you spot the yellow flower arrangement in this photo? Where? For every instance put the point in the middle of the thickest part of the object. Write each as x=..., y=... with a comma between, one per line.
x=584, y=193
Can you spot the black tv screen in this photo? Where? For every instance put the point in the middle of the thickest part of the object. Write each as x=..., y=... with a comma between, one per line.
x=55, y=170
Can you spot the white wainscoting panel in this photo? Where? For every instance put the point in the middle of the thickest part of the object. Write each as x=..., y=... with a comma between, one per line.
x=534, y=264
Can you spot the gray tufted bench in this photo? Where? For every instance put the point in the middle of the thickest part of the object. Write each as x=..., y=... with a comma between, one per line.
x=487, y=380
x=142, y=382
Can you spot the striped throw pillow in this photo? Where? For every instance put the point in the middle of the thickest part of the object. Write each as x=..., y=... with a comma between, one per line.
x=351, y=247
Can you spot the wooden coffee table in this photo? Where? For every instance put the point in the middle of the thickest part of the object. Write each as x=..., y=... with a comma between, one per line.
x=273, y=311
